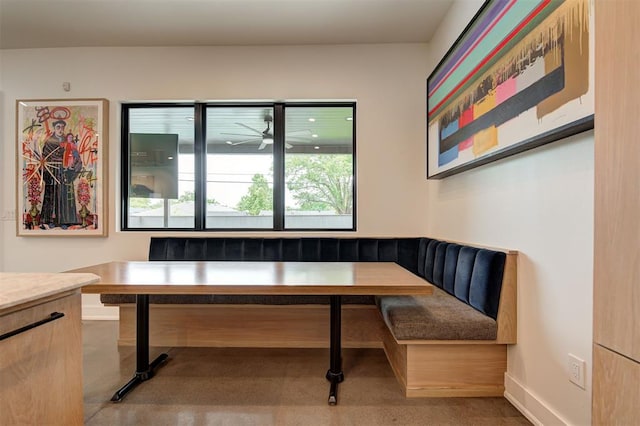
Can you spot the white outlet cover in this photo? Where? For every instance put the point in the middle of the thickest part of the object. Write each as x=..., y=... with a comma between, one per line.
x=577, y=370
x=8, y=215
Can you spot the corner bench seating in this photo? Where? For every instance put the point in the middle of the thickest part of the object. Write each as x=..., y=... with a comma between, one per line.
x=452, y=343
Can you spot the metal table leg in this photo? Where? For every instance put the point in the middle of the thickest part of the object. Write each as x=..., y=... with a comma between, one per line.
x=335, y=374
x=144, y=369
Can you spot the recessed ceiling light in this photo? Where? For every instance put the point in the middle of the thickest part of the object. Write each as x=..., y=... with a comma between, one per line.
x=229, y=143
x=314, y=135
x=316, y=147
x=312, y=119
x=349, y=118
x=169, y=158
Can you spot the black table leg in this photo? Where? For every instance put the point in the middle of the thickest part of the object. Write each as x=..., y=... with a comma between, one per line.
x=335, y=374
x=144, y=370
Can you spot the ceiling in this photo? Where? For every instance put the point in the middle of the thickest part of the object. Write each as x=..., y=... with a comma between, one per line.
x=124, y=23
x=83, y=23
x=239, y=130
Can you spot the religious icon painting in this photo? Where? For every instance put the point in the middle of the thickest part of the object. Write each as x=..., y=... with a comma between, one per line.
x=62, y=167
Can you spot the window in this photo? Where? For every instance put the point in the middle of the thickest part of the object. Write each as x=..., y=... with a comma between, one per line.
x=160, y=164
x=318, y=167
x=272, y=166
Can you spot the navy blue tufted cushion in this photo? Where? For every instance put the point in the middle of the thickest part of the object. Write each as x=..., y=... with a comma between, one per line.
x=422, y=254
x=429, y=259
x=464, y=269
x=486, y=282
x=214, y=250
x=450, y=266
x=251, y=249
x=410, y=256
x=438, y=264
x=367, y=250
x=291, y=249
x=174, y=250
x=194, y=249
x=329, y=249
x=234, y=248
x=404, y=251
x=348, y=250
x=388, y=250
x=272, y=249
x=309, y=250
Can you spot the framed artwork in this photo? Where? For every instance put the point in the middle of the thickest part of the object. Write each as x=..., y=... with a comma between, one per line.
x=519, y=76
x=62, y=167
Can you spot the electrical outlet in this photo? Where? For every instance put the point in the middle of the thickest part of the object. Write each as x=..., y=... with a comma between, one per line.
x=8, y=215
x=577, y=370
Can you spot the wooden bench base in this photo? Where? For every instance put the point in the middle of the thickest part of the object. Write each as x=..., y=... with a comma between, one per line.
x=441, y=369
x=258, y=326
x=423, y=368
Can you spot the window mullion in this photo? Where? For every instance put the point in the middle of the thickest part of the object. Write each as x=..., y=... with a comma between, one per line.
x=126, y=170
x=278, y=166
x=200, y=166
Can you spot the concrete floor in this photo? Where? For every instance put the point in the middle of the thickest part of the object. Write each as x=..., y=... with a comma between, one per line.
x=229, y=386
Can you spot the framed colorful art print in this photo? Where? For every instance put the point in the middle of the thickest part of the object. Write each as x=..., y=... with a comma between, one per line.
x=519, y=76
x=62, y=164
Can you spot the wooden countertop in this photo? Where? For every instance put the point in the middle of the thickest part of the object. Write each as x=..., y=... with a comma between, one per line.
x=19, y=288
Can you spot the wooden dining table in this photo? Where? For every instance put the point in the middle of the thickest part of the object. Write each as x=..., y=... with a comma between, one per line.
x=333, y=279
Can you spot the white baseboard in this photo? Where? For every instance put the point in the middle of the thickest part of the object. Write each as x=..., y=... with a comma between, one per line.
x=535, y=410
x=100, y=312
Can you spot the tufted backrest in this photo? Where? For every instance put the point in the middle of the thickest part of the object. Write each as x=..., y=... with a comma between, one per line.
x=471, y=274
x=403, y=251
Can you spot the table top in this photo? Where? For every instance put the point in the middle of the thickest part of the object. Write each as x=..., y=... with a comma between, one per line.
x=284, y=278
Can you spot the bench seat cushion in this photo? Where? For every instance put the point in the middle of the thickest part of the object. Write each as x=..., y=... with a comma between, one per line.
x=436, y=317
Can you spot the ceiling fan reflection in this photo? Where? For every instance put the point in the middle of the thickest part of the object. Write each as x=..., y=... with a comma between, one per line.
x=265, y=137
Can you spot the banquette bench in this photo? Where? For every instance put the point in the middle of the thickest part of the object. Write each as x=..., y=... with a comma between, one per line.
x=452, y=343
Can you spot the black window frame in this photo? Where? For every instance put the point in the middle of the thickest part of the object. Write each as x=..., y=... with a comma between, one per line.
x=200, y=158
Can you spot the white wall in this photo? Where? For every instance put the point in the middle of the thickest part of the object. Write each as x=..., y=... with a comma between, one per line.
x=540, y=203
x=388, y=82
x=4, y=207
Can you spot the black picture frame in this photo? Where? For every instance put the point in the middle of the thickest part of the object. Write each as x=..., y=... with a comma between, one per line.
x=520, y=75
